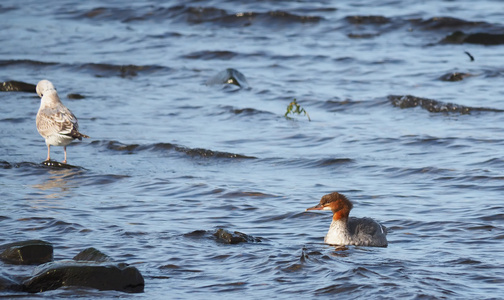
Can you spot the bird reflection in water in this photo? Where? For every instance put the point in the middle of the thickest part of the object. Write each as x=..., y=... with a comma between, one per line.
x=59, y=183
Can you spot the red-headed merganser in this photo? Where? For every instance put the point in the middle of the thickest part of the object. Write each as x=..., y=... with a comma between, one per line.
x=350, y=231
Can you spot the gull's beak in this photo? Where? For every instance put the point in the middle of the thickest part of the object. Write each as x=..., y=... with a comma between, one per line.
x=316, y=207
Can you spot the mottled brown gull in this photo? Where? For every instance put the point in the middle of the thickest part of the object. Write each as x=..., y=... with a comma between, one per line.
x=55, y=123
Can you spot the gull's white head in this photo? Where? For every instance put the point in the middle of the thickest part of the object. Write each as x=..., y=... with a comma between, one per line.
x=45, y=86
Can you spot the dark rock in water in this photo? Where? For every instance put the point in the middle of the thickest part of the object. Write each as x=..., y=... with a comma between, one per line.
x=409, y=101
x=17, y=86
x=481, y=38
x=367, y=20
x=229, y=76
x=454, y=76
x=58, y=165
x=75, y=96
x=92, y=254
x=485, y=39
x=223, y=236
x=7, y=283
x=236, y=237
x=5, y=165
x=27, y=252
x=101, y=276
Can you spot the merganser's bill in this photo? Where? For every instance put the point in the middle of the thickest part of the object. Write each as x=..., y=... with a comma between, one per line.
x=350, y=231
x=55, y=123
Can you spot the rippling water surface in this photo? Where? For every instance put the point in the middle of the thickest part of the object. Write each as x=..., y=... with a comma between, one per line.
x=402, y=122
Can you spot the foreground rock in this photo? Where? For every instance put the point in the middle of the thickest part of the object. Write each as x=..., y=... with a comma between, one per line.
x=7, y=283
x=101, y=276
x=27, y=252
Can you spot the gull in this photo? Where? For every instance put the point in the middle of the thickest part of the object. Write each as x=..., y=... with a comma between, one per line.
x=55, y=123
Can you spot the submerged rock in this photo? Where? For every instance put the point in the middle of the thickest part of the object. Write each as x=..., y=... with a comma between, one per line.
x=236, y=237
x=223, y=236
x=7, y=283
x=229, y=76
x=17, y=86
x=408, y=101
x=92, y=254
x=481, y=38
x=455, y=76
x=27, y=252
x=58, y=165
x=101, y=276
x=75, y=96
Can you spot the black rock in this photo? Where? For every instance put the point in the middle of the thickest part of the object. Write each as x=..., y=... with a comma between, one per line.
x=456, y=76
x=7, y=283
x=92, y=254
x=101, y=276
x=76, y=96
x=27, y=252
x=17, y=86
x=236, y=237
x=58, y=165
x=482, y=38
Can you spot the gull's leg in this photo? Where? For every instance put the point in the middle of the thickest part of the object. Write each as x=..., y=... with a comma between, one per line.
x=48, y=152
x=64, y=149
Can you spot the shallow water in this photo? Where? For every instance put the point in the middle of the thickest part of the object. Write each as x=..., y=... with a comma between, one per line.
x=170, y=155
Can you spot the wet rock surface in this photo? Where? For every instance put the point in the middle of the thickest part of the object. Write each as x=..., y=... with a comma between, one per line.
x=92, y=254
x=27, y=252
x=455, y=76
x=481, y=38
x=236, y=237
x=58, y=165
x=17, y=86
x=7, y=283
x=224, y=236
x=89, y=268
x=409, y=101
x=101, y=276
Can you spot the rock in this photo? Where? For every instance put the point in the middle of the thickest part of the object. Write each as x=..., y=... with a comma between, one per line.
x=482, y=38
x=92, y=254
x=101, y=276
x=456, y=76
x=17, y=86
x=75, y=96
x=236, y=237
x=229, y=76
x=27, y=252
x=58, y=165
x=8, y=284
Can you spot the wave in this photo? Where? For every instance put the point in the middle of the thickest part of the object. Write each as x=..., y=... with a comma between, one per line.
x=165, y=147
x=189, y=14
x=97, y=69
x=435, y=106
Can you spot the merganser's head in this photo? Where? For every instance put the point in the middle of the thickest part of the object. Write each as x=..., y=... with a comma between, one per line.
x=337, y=203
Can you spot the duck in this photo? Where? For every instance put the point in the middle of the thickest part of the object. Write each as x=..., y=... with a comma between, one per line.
x=345, y=230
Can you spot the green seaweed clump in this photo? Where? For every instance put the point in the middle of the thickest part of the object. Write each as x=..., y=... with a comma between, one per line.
x=295, y=108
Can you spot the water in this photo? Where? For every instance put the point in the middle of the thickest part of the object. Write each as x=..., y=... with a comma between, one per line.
x=169, y=155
